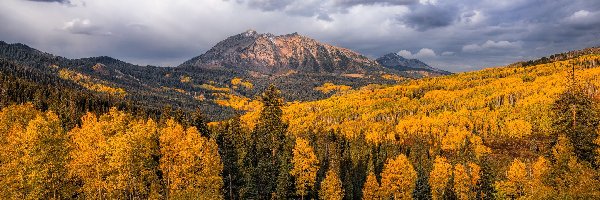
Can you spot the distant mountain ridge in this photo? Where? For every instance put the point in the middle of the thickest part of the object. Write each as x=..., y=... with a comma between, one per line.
x=397, y=62
x=296, y=64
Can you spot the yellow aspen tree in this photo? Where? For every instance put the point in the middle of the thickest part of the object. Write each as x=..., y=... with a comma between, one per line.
x=439, y=177
x=462, y=182
x=475, y=174
x=13, y=123
x=597, y=142
x=305, y=167
x=48, y=155
x=514, y=186
x=190, y=164
x=371, y=188
x=398, y=178
x=39, y=154
x=537, y=187
x=88, y=163
x=331, y=187
x=131, y=161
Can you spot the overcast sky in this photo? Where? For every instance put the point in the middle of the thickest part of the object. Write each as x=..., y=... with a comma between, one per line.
x=448, y=34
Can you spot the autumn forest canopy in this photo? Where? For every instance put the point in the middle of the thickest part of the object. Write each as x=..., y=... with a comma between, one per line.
x=81, y=129
x=525, y=131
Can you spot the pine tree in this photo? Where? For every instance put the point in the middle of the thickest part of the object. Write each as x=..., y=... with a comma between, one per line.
x=268, y=141
x=486, y=183
x=577, y=116
x=230, y=143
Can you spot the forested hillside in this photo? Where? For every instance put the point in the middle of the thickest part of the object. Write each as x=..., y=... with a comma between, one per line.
x=219, y=91
x=515, y=132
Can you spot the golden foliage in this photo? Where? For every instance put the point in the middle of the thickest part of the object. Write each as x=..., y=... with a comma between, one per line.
x=236, y=102
x=238, y=82
x=398, y=178
x=305, y=167
x=214, y=88
x=190, y=164
x=114, y=156
x=331, y=187
x=90, y=83
x=515, y=185
x=371, y=188
x=327, y=88
x=33, y=154
x=462, y=182
x=466, y=178
x=185, y=79
x=393, y=77
x=439, y=177
x=475, y=107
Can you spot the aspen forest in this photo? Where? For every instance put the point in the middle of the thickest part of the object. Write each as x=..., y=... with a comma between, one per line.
x=524, y=131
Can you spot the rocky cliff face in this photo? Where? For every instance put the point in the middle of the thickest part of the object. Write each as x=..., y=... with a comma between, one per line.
x=270, y=54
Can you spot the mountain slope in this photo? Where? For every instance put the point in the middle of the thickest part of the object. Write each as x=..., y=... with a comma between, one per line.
x=148, y=86
x=491, y=109
x=397, y=62
x=224, y=80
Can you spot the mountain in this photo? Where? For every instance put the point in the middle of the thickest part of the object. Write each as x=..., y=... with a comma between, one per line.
x=271, y=55
x=397, y=62
x=223, y=81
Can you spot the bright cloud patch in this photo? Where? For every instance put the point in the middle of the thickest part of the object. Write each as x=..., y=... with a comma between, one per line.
x=492, y=45
x=423, y=53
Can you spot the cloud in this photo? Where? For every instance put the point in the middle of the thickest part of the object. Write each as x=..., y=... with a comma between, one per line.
x=583, y=19
x=472, y=17
x=425, y=17
x=58, y=1
x=168, y=33
x=350, y=3
x=84, y=27
x=447, y=53
x=423, y=53
x=428, y=2
x=322, y=9
x=69, y=3
x=491, y=45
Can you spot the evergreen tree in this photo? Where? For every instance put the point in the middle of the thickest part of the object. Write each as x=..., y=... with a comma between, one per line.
x=229, y=140
x=198, y=120
x=268, y=142
x=577, y=116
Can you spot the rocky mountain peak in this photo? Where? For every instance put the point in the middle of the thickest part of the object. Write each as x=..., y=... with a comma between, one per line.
x=269, y=54
x=250, y=32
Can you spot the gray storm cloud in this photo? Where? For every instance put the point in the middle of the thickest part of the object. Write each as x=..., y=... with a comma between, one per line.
x=455, y=35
